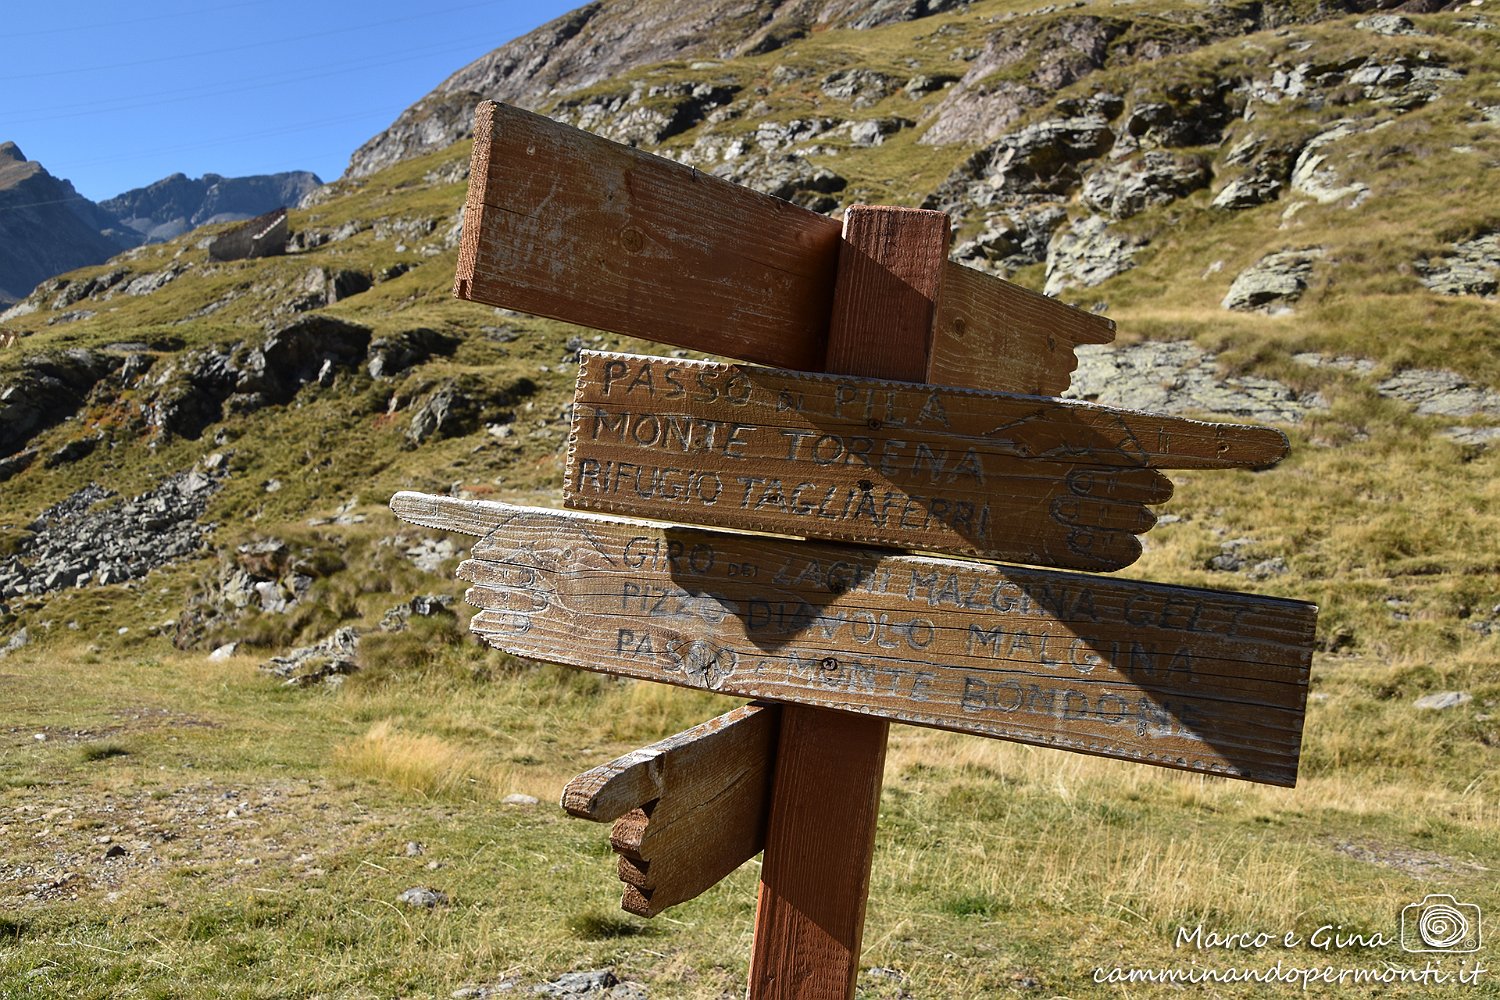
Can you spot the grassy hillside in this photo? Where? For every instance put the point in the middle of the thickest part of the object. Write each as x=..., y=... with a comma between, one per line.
x=265, y=827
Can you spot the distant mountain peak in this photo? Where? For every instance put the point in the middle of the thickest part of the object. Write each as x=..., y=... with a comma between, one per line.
x=10, y=151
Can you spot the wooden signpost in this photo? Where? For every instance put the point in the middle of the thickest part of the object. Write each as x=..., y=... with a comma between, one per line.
x=933, y=428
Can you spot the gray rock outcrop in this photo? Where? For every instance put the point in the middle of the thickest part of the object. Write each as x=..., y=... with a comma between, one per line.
x=861, y=87
x=1314, y=174
x=448, y=412
x=1438, y=393
x=193, y=391
x=1180, y=377
x=599, y=42
x=1015, y=238
x=46, y=390
x=1127, y=187
x=328, y=660
x=1472, y=268
x=1038, y=160
x=1088, y=253
x=1274, y=282
x=1267, y=170
x=392, y=355
x=1020, y=65
x=1443, y=700
x=788, y=176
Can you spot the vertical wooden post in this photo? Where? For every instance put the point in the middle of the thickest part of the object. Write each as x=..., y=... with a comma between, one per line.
x=815, y=876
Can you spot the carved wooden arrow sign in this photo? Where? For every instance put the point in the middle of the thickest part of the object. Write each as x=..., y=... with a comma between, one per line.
x=1021, y=478
x=1195, y=679
x=687, y=810
x=569, y=225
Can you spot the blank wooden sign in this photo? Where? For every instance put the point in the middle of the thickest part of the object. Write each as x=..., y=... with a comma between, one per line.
x=570, y=225
x=1195, y=679
x=1021, y=478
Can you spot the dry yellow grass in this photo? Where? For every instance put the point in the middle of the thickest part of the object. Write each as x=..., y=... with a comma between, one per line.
x=422, y=764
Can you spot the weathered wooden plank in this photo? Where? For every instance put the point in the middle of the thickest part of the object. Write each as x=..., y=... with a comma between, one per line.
x=564, y=224
x=1180, y=677
x=568, y=225
x=890, y=272
x=985, y=325
x=691, y=808
x=1021, y=478
x=815, y=877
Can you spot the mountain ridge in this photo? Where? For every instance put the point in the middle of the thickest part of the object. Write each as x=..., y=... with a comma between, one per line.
x=48, y=228
x=177, y=203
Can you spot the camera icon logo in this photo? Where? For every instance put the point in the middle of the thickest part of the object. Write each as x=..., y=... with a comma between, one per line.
x=1441, y=923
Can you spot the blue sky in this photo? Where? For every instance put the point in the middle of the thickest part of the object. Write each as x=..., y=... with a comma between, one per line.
x=114, y=96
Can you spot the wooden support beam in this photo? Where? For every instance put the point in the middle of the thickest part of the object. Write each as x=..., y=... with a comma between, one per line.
x=815, y=876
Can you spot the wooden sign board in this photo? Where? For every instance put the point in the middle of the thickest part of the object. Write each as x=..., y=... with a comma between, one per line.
x=687, y=810
x=1178, y=677
x=568, y=225
x=1021, y=478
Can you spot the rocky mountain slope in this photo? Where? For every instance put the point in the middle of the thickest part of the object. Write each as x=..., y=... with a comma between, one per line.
x=176, y=204
x=46, y=227
x=599, y=41
x=1289, y=210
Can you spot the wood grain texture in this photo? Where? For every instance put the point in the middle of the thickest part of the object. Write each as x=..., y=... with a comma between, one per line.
x=810, y=913
x=889, y=275
x=1179, y=677
x=564, y=224
x=1020, y=478
x=991, y=334
x=815, y=877
x=574, y=227
x=690, y=809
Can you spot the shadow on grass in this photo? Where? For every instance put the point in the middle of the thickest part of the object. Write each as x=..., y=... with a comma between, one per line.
x=597, y=926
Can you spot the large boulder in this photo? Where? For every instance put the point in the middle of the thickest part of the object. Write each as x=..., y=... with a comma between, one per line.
x=1088, y=253
x=447, y=412
x=1274, y=282
x=1127, y=187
